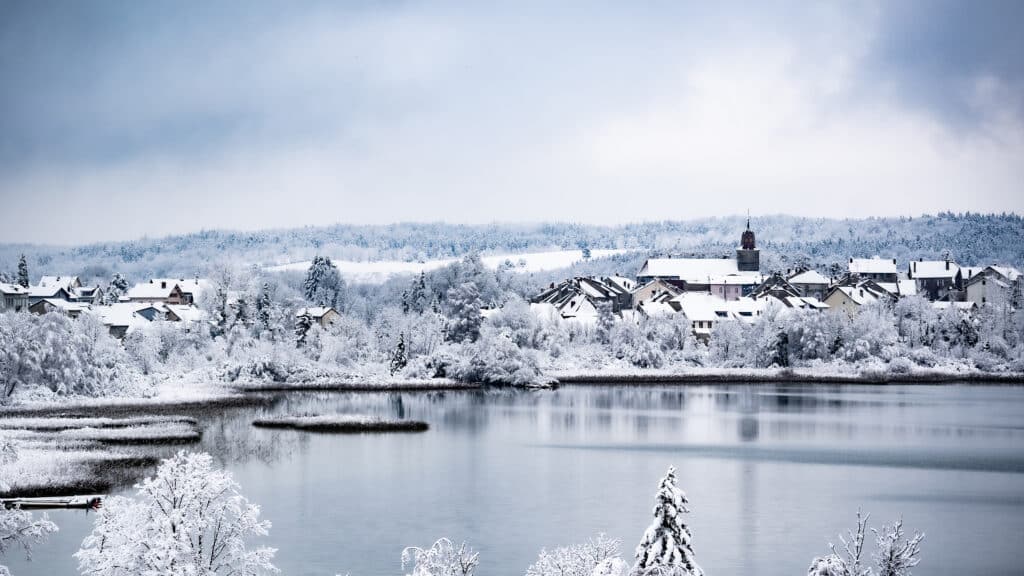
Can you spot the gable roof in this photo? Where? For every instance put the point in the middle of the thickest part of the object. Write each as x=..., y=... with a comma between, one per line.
x=156, y=288
x=316, y=312
x=692, y=270
x=17, y=289
x=809, y=277
x=48, y=292
x=873, y=265
x=68, y=283
x=944, y=269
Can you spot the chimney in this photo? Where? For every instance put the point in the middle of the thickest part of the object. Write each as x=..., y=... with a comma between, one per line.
x=914, y=266
x=163, y=284
x=893, y=261
x=851, y=260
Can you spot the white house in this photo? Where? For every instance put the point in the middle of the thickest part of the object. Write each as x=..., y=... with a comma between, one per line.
x=13, y=297
x=324, y=316
x=849, y=297
x=875, y=268
x=810, y=283
x=994, y=282
x=934, y=279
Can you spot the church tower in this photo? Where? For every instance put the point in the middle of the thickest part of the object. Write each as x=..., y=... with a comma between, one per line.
x=748, y=257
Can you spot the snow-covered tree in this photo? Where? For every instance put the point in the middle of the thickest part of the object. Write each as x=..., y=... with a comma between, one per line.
x=399, y=359
x=441, y=559
x=303, y=324
x=896, y=555
x=848, y=562
x=18, y=528
x=463, y=307
x=577, y=560
x=23, y=272
x=264, y=309
x=117, y=287
x=419, y=295
x=605, y=322
x=323, y=285
x=665, y=547
x=188, y=519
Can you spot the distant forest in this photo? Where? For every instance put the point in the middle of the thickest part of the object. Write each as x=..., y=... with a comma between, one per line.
x=785, y=242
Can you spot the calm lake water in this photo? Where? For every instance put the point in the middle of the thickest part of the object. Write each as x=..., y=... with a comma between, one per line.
x=773, y=473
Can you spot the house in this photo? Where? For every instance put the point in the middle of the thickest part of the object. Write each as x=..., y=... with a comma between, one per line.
x=652, y=309
x=122, y=318
x=185, y=313
x=324, y=316
x=88, y=294
x=877, y=269
x=13, y=298
x=935, y=279
x=60, y=306
x=68, y=283
x=809, y=283
x=580, y=297
x=702, y=310
x=658, y=290
x=993, y=283
x=192, y=289
x=732, y=286
x=853, y=293
x=157, y=290
x=51, y=292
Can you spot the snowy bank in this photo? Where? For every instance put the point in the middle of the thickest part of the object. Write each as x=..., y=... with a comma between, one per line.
x=342, y=423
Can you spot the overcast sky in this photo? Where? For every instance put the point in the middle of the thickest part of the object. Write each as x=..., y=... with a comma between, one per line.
x=123, y=119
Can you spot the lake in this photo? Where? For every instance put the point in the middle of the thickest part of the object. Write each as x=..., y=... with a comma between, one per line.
x=773, y=474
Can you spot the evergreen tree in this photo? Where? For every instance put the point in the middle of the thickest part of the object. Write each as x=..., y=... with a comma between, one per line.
x=263, y=306
x=303, y=324
x=399, y=359
x=605, y=321
x=118, y=287
x=665, y=547
x=323, y=285
x=464, y=317
x=419, y=297
x=221, y=313
x=23, y=272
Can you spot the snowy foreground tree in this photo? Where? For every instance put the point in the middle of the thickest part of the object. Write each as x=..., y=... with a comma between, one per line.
x=189, y=519
x=598, y=556
x=896, y=555
x=665, y=548
x=17, y=527
x=441, y=559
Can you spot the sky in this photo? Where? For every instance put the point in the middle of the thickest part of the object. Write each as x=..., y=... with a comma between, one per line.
x=123, y=119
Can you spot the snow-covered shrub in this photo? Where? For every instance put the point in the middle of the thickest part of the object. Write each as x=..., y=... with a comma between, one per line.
x=577, y=560
x=441, y=559
x=188, y=519
x=729, y=346
x=63, y=356
x=611, y=567
x=901, y=365
x=518, y=322
x=895, y=555
x=871, y=333
x=630, y=342
x=495, y=359
x=923, y=357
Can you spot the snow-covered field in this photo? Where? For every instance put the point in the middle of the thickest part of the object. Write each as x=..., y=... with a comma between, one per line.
x=380, y=270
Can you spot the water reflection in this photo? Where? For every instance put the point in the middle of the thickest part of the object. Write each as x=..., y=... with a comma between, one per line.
x=772, y=472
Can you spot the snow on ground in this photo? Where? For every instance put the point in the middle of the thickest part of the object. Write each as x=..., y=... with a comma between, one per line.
x=375, y=272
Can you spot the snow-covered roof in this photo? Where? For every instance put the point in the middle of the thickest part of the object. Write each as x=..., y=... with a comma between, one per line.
x=809, y=277
x=186, y=312
x=907, y=287
x=692, y=270
x=124, y=313
x=45, y=291
x=655, y=308
x=157, y=288
x=623, y=283
x=968, y=272
x=193, y=286
x=874, y=265
x=701, y=307
x=933, y=269
x=314, y=311
x=6, y=288
x=1008, y=272
x=891, y=287
x=67, y=306
x=858, y=295
x=66, y=282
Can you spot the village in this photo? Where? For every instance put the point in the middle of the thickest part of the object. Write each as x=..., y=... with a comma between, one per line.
x=705, y=291
x=708, y=291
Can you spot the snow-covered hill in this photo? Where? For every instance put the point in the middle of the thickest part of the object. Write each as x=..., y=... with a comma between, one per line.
x=378, y=271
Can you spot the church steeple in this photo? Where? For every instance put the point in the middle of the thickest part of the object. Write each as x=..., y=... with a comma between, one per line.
x=748, y=257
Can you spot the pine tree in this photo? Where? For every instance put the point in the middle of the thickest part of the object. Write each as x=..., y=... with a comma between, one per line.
x=221, y=314
x=464, y=312
x=419, y=299
x=323, y=285
x=665, y=547
x=23, y=272
x=398, y=357
x=263, y=306
x=118, y=287
x=303, y=324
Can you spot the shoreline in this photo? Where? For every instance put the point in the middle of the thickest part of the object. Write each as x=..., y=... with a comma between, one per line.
x=786, y=377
